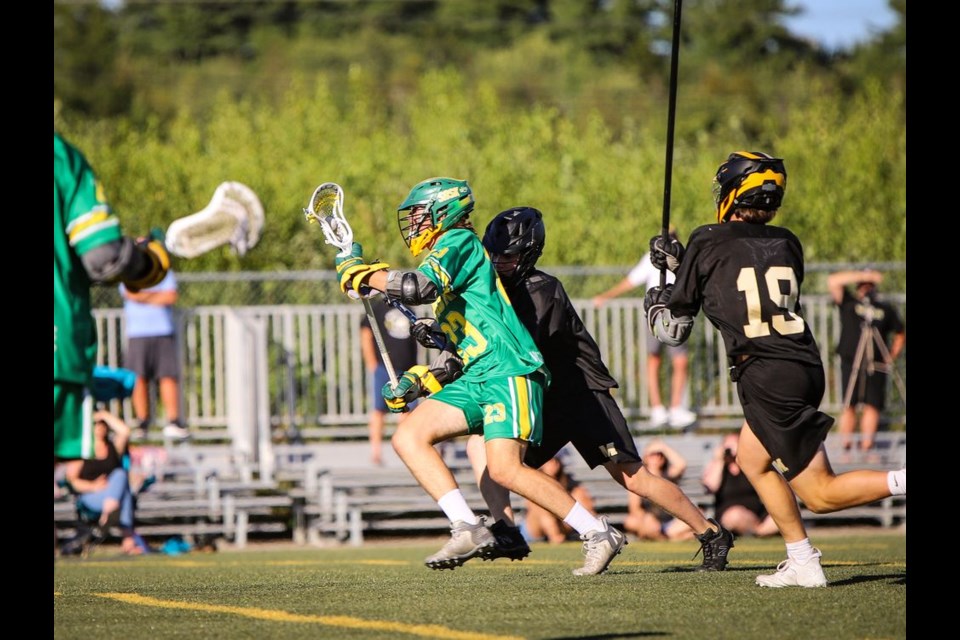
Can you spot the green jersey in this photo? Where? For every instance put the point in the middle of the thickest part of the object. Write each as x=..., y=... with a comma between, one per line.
x=82, y=220
x=474, y=311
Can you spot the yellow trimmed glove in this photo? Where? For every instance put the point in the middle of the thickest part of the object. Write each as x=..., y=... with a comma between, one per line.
x=352, y=270
x=415, y=382
x=153, y=248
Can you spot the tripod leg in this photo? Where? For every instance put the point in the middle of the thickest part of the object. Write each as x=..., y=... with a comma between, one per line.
x=855, y=368
x=848, y=417
x=889, y=365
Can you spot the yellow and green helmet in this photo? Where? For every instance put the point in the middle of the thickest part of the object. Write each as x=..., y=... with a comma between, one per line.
x=445, y=200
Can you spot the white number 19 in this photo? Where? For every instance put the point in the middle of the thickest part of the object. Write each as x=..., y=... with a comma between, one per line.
x=784, y=323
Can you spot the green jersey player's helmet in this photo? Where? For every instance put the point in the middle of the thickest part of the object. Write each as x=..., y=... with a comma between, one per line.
x=749, y=179
x=433, y=206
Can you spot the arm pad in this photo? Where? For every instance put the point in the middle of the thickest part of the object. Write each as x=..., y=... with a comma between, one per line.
x=411, y=287
x=446, y=368
x=669, y=330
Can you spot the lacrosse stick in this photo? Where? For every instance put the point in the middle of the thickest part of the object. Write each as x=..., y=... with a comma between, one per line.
x=326, y=209
x=412, y=317
x=671, y=117
x=234, y=216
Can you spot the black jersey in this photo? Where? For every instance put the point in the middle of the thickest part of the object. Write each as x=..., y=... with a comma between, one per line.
x=747, y=279
x=569, y=351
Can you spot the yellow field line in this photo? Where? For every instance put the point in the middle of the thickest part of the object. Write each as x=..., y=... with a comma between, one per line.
x=347, y=622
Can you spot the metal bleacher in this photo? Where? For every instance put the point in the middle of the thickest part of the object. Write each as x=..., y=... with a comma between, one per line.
x=328, y=494
x=277, y=398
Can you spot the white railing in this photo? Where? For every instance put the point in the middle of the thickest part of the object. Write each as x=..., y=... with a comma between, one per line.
x=253, y=372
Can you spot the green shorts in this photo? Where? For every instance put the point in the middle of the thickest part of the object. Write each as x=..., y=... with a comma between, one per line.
x=72, y=422
x=508, y=407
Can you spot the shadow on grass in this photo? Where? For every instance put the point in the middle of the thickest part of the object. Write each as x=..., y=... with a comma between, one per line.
x=895, y=578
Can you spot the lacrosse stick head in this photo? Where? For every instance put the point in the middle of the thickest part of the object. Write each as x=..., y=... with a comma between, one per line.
x=234, y=216
x=326, y=209
x=432, y=207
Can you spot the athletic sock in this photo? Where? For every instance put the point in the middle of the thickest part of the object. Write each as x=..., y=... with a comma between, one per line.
x=582, y=520
x=897, y=482
x=801, y=551
x=454, y=505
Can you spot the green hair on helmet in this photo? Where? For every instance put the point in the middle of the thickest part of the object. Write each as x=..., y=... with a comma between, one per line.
x=446, y=201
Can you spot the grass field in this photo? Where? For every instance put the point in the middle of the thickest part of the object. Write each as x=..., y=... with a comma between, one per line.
x=384, y=591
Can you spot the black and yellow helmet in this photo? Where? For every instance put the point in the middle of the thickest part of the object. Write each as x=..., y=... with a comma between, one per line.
x=749, y=179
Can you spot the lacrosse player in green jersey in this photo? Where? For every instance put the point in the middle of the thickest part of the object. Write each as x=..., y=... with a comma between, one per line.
x=88, y=247
x=498, y=392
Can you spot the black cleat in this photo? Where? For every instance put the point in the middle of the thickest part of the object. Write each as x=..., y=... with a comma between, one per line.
x=510, y=542
x=715, y=546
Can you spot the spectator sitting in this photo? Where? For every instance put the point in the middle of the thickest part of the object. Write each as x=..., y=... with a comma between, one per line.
x=647, y=520
x=102, y=483
x=737, y=506
x=540, y=524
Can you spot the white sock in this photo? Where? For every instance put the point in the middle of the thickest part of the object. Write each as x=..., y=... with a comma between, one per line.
x=454, y=506
x=582, y=520
x=897, y=482
x=800, y=551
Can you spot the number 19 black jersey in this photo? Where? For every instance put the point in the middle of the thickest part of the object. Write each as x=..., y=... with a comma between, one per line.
x=747, y=278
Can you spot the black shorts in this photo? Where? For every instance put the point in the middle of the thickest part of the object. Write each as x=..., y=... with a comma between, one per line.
x=591, y=421
x=153, y=357
x=780, y=400
x=868, y=388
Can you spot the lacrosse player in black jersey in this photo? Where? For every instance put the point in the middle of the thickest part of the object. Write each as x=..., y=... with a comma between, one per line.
x=578, y=407
x=746, y=275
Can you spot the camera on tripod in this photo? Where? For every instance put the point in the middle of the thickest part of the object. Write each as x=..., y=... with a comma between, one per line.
x=871, y=339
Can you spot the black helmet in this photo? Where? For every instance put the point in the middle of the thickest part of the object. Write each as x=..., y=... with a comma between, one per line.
x=749, y=179
x=514, y=239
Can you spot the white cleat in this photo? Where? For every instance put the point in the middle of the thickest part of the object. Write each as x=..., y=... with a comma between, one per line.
x=600, y=547
x=793, y=574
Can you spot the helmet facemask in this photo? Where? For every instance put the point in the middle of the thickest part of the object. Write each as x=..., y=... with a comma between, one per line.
x=749, y=180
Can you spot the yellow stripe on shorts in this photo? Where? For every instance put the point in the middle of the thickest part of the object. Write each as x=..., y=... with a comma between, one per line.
x=522, y=411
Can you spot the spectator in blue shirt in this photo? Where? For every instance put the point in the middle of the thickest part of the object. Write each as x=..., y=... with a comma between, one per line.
x=152, y=354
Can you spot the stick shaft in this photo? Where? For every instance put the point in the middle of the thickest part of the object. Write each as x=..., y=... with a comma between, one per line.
x=381, y=345
x=671, y=117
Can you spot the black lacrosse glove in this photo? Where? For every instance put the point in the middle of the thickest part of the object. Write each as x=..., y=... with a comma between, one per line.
x=656, y=299
x=666, y=254
x=427, y=332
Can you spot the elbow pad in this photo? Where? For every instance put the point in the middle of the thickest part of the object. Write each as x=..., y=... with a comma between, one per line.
x=411, y=287
x=667, y=329
x=446, y=368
